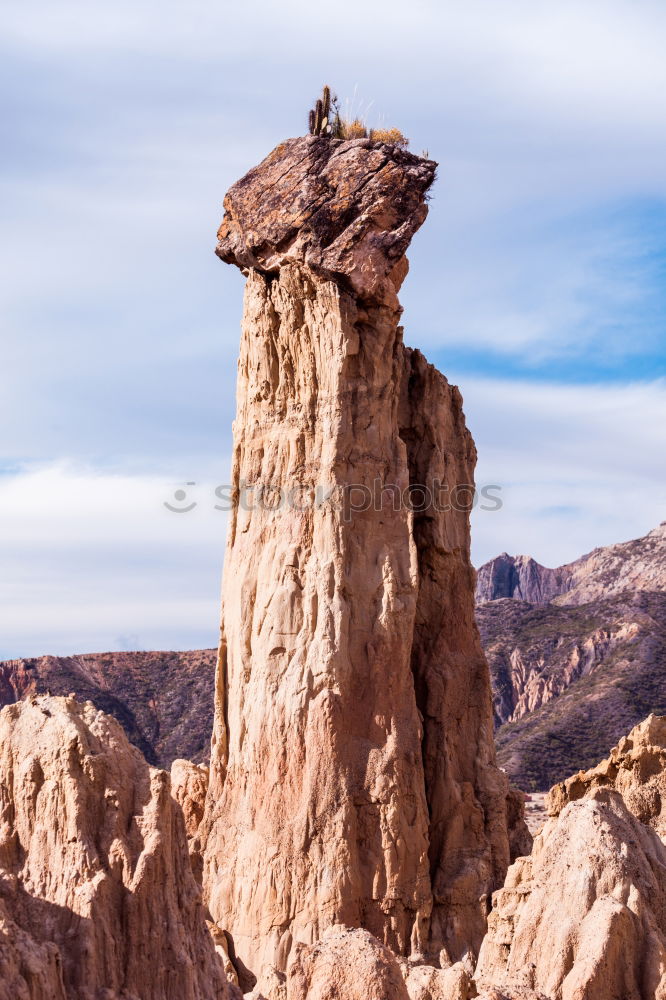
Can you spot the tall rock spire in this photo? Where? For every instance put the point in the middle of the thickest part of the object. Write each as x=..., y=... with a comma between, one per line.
x=353, y=778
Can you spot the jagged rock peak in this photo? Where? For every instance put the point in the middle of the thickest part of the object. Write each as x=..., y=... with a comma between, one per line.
x=347, y=209
x=636, y=768
x=520, y=578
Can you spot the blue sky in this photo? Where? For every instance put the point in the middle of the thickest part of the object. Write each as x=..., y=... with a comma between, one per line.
x=537, y=283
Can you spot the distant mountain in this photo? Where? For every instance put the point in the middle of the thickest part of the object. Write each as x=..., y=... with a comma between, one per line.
x=163, y=700
x=577, y=654
x=569, y=681
x=637, y=565
x=569, y=677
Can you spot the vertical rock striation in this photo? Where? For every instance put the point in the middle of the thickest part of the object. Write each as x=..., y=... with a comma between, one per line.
x=97, y=899
x=352, y=777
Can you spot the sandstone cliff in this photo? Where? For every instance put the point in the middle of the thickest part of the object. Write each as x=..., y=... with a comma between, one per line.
x=353, y=777
x=636, y=565
x=97, y=899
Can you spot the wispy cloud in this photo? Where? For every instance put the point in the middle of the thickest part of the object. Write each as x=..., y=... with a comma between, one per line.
x=559, y=450
x=89, y=557
x=542, y=262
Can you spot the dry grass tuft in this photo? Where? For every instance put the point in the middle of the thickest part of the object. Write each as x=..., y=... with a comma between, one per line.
x=351, y=129
x=392, y=135
x=326, y=119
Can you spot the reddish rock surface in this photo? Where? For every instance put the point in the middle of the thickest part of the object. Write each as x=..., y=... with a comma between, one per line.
x=323, y=203
x=97, y=898
x=353, y=777
x=163, y=700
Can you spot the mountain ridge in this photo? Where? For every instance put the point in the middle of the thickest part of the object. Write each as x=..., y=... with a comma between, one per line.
x=603, y=571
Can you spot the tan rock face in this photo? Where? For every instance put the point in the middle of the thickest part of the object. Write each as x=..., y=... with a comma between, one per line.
x=636, y=768
x=94, y=870
x=584, y=918
x=427, y=983
x=520, y=837
x=350, y=964
x=189, y=784
x=352, y=772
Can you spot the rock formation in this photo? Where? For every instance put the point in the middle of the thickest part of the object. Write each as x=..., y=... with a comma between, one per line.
x=636, y=768
x=585, y=915
x=29, y=969
x=189, y=784
x=636, y=565
x=163, y=700
x=353, y=778
x=347, y=963
x=97, y=899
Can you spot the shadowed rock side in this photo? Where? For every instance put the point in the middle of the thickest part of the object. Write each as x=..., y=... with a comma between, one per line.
x=352, y=771
x=96, y=894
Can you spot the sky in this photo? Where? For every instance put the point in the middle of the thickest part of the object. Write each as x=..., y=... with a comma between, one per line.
x=537, y=283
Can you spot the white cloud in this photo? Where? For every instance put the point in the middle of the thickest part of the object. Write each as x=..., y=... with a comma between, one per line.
x=89, y=558
x=127, y=124
x=579, y=466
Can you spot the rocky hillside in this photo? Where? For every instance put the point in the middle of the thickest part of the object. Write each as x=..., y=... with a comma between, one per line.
x=612, y=654
x=535, y=653
x=163, y=700
x=636, y=565
x=570, y=676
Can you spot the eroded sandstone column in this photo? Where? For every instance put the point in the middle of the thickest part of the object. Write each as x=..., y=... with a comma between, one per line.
x=352, y=774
